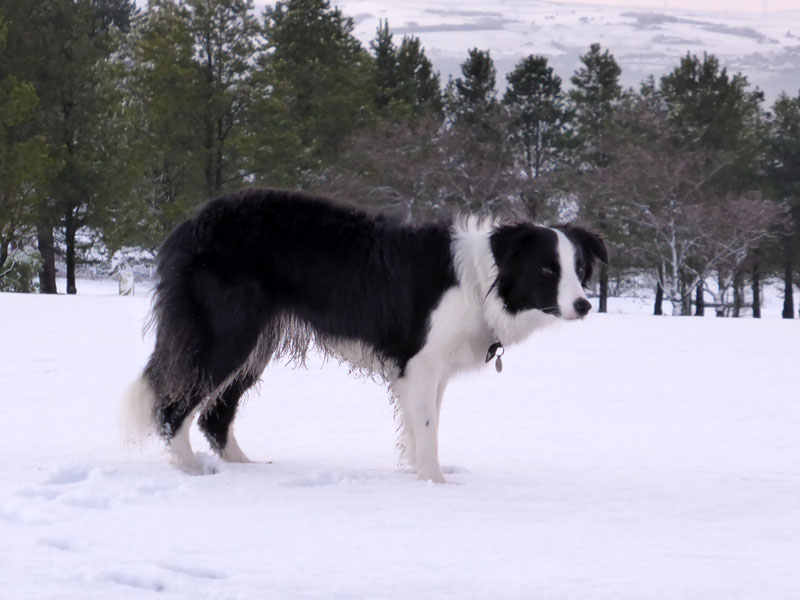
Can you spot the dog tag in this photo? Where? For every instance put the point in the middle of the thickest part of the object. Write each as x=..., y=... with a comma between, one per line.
x=496, y=350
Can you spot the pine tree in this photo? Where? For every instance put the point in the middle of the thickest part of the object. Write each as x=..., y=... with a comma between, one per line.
x=406, y=84
x=193, y=76
x=319, y=80
x=25, y=165
x=539, y=112
x=65, y=61
x=716, y=112
x=386, y=67
x=595, y=93
x=416, y=72
x=472, y=98
x=783, y=174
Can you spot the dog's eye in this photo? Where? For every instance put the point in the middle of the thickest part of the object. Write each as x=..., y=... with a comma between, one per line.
x=547, y=271
x=579, y=270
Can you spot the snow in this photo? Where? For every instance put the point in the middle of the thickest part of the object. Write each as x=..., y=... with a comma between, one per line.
x=626, y=456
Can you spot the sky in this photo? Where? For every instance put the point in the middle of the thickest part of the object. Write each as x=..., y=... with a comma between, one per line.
x=756, y=6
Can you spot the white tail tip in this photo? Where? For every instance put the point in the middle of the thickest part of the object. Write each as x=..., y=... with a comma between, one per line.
x=137, y=412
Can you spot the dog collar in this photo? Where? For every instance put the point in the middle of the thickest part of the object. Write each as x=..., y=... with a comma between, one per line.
x=496, y=350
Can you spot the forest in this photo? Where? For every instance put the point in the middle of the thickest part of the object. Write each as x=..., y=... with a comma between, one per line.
x=117, y=121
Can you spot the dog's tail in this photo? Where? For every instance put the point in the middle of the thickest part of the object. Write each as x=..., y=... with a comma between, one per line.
x=138, y=411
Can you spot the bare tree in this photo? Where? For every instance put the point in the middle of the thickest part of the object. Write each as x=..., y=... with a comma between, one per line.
x=427, y=168
x=739, y=225
x=660, y=191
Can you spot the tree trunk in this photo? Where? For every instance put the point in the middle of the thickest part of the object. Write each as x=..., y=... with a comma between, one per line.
x=218, y=175
x=699, y=302
x=658, y=309
x=721, y=301
x=686, y=297
x=788, y=285
x=603, y=280
x=47, y=248
x=3, y=253
x=70, y=235
x=756, y=290
x=737, y=294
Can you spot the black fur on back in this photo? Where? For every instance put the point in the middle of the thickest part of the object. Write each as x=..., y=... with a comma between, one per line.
x=261, y=274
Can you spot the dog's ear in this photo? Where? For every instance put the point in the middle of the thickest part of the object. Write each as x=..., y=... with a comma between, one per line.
x=511, y=247
x=506, y=242
x=590, y=242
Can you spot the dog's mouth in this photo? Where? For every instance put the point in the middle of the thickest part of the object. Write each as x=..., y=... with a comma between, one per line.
x=552, y=310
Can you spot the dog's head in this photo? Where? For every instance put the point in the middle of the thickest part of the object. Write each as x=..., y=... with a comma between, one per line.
x=545, y=269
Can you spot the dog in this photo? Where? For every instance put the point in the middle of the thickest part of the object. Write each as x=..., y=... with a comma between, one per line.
x=260, y=275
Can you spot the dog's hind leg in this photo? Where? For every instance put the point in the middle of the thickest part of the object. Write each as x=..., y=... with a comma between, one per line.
x=177, y=419
x=173, y=410
x=177, y=399
x=216, y=421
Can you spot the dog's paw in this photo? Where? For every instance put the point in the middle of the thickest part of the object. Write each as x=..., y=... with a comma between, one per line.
x=197, y=464
x=434, y=476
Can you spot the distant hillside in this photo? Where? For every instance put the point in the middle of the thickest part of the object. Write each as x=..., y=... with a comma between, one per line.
x=765, y=47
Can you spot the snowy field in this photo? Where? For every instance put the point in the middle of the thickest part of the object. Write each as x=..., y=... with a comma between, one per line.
x=624, y=457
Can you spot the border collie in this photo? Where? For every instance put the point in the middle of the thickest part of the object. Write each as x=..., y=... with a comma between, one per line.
x=261, y=274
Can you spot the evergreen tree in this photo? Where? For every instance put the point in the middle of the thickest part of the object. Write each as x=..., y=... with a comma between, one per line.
x=166, y=82
x=784, y=185
x=596, y=92
x=65, y=63
x=25, y=166
x=318, y=78
x=540, y=116
x=225, y=32
x=193, y=76
x=405, y=82
x=195, y=62
x=475, y=151
x=473, y=97
x=386, y=67
x=417, y=74
x=717, y=112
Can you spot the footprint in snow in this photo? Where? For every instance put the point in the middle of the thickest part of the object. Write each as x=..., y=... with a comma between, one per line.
x=65, y=475
x=190, y=571
x=44, y=493
x=23, y=514
x=136, y=581
x=62, y=545
x=317, y=478
x=81, y=500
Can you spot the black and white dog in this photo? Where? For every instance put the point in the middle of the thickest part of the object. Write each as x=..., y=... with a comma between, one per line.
x=265, y=274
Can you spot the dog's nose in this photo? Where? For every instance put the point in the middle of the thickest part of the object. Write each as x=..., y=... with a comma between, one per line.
x=582, y=307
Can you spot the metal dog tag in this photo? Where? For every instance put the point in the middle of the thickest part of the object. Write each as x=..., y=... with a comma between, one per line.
x=498, y=365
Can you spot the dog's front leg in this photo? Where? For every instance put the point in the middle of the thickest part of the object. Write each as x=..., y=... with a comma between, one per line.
x=418, y=394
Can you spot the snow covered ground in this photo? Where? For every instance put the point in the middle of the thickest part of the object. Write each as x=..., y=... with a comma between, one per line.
x=624, y=457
